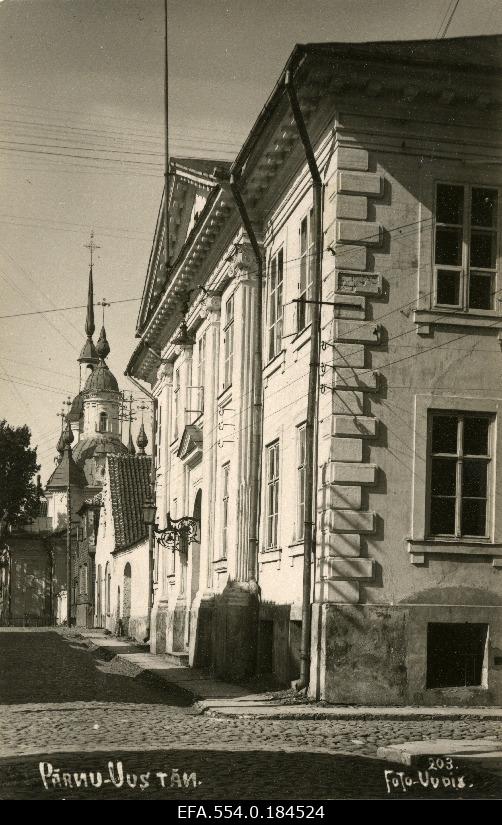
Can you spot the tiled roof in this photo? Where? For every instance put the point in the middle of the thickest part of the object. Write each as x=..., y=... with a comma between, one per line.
x=130, y=485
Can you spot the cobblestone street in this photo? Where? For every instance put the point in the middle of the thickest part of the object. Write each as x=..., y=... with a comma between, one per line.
x=59, y=701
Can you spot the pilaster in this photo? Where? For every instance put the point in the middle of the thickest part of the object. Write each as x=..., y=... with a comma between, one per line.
x=348, y=383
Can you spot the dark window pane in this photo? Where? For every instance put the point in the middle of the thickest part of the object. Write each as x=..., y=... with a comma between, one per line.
x=449, y=246
x=474, y=477
x=444, y=434
x=473, y=522
x=448, y=287
x=443, y=516
x=484, y=207
x=455, y=654
x=483, y=251
x=443, y=476
x=480, y=291
x=475, y=435
x=449, y=203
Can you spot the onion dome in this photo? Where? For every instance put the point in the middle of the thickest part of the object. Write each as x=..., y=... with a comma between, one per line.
x=142, y=440
x=103, y=347
x=68, y=437
x=130, y=445
x=60, y=445
x=86, y=448
x=101, y=380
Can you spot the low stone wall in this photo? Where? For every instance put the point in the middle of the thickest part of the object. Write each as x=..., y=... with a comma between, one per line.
x=377, y=655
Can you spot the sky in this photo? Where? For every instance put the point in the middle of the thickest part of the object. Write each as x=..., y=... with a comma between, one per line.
x=81, y=148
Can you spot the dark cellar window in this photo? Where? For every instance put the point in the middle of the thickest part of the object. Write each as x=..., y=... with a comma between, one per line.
x=455, y=654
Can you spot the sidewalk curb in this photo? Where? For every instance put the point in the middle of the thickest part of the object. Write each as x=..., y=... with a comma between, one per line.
x=245, y=708
x=340, y=715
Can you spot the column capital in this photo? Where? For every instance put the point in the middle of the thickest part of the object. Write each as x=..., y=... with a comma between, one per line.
x=165, y=372
x=242, y=263
x=210, y=306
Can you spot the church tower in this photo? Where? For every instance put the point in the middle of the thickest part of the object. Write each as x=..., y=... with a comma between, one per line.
x=95, y=411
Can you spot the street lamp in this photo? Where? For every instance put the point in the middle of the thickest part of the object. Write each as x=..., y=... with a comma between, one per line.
x=177, y=530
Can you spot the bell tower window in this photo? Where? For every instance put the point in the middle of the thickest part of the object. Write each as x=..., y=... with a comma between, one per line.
x=103, y=422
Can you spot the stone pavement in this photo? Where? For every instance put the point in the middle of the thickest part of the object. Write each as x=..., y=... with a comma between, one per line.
x=61, y=697
x=217, y=698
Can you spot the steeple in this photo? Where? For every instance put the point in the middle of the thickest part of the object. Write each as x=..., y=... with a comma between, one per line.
x=67, y=473
x=130, y=445
x=89, y=321
x=89, y=354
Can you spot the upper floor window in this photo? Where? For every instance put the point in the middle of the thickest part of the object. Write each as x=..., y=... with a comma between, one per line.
x=176, y=404
x=159, y=433
x=275, y=304
x=465, y=249
x=272, y=508
x=225, y=512
x=201, y=369
x=300, y=489
x=459, y=471
x=103, y=422
x=306, y=270
x=229, y=343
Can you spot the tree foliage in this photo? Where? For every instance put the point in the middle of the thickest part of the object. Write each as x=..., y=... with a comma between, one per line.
x=18, y=466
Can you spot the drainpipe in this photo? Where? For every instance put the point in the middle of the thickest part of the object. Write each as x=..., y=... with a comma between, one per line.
x=151, y=527
x=256, y=435
x=312, y=398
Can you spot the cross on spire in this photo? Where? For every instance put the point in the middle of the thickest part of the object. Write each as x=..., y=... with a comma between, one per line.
x=91, y=246
x=62, y=416
x=103, y=303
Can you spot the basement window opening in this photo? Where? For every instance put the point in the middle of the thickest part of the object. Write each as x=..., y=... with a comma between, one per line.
x=456, y=655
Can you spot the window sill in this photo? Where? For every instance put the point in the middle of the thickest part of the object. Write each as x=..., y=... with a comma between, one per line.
x=301, y=339
x=427, y=318
x=271, y=555
x=418, y=548
x=277, y=363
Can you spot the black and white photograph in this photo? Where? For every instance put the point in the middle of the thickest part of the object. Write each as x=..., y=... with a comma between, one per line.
x=250, y=403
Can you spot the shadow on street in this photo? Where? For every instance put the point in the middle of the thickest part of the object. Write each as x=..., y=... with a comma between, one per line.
x=215, y=774
x=63, y=670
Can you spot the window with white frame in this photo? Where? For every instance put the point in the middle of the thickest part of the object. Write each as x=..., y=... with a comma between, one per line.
x=272, y=507
x=465, y=247
x=460, y=461
x=275, y=304
x=170, y=555
x=224, y=511
x=306, y=270
x=159, y=433
x=228, y=343
x=201, y=368
x=176, y=405
x=300, y=476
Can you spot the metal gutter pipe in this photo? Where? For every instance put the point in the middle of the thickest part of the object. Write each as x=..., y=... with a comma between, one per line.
x=257, y=417
x=312, y=397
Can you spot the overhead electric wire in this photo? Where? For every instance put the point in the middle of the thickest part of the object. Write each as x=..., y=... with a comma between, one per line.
x=204, y=129
x=94, y=135
x=64, y=309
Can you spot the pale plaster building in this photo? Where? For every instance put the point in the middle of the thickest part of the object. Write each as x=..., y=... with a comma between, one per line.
x=406, y=593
